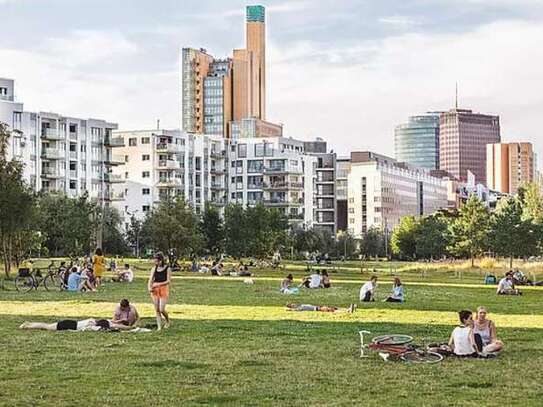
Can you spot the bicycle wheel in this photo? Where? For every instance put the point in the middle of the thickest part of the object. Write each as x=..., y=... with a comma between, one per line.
x=394, y=339
x=24, y=284
x=421, y=356
x=52, y=282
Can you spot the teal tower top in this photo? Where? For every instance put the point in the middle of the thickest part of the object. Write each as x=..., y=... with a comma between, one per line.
x=256, y=14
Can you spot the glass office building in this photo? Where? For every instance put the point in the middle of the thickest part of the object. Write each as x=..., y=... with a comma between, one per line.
x=417, y=141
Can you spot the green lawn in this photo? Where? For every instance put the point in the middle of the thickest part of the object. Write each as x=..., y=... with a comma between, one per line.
x=234, y=344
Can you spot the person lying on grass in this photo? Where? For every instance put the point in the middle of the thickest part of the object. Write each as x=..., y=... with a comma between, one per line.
x=125, y=314
x=319, y=308
x=484, y=332
x=506, y=286
x=367, y=291
x=397, y=292
x=73, y=325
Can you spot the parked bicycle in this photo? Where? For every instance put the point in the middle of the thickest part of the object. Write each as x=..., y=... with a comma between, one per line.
x=27, y=280
x=398, y=347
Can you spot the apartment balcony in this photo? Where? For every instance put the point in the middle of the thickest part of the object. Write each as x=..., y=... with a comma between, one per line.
x=72, y=155
x=115, y=159
x=284, y=202
x=73, y=136
x=217, y=186
x=255, y=186
x=217, y=154
x=218, y=201
x=217, y=171
x=168, y=165
x=283, y=185
x=114, y=196
x=51, y=134
x=51, y=173
x=169, y=182
x=114, y=141
x=295, y=216
x=168, y=148
x=53, y=154
x=73, y=174
x=113, y=178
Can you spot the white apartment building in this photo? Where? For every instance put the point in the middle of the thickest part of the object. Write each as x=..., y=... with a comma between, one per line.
x=60, y=153
x=162, y=164
x=275, y=171
x=381, y=191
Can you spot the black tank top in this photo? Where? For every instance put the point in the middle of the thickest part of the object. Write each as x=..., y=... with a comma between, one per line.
x=161, y=274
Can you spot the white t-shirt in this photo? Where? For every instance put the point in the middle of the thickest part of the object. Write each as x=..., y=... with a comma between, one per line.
x=86, y=324
x=366, y=288
x=129, y=275
x=461, y=339
x=504, y=285
x=315, y=280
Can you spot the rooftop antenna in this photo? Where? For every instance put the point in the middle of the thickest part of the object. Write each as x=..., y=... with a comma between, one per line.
x=158, y=124
x=456, y=97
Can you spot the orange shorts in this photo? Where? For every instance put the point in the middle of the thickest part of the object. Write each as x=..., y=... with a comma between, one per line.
x=161, y=292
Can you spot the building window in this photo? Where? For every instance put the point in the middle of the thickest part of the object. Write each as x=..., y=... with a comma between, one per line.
x=145, y=174
x=145, y=208
x=145, y=157
x=145, y=191
x=132, y=142
x=125, y=158
x=242, y=150
x=145, y=140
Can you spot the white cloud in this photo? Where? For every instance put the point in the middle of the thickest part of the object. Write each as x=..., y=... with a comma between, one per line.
x=398, y=21
x=356, y=103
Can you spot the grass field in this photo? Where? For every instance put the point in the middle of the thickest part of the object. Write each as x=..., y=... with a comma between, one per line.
x=234, y=344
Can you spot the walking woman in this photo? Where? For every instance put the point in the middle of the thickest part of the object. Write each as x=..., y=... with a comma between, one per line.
x=159, y=287
x=98, y=266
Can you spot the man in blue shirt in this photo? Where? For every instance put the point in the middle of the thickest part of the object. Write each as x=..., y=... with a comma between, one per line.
x=75, y=282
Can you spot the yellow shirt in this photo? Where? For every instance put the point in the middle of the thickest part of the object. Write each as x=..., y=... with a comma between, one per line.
x=98, y=265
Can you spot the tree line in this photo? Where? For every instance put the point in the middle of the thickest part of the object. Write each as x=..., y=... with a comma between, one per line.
x=514, y=229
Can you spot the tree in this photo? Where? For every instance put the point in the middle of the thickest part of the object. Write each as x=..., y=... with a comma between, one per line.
x=404, y=238
x=512, y=235
x=135, y=236
x=16, y=202
x=432, y=237
x=234, y=229
x=373, y=243
x=113, y=241
x=173, y=225
x=532, y=203
x=212, y=230
x=470, y=230
x=345, y=245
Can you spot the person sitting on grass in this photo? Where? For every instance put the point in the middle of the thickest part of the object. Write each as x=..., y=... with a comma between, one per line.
x=126, y=275
x=367, y=291
x=462, y=340
x=77, y=281
x=319, y=308
x=484, y=331
x=506, y=286
x=312, y=281
x=397, y=292
x=325, y=279
x=73, y=325
x=125, y=314
x=217, y=269
x=285, y=285
x=243, y=270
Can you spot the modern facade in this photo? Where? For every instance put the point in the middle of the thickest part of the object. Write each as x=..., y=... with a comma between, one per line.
x=343, y=167
x=60, y=153
x=164, y=164
x=417, y=141
x=216, y=92
x=381, y=191
x=274, y=171
x=463, y=136
x=509, y=165
x=325, y=210
x=253, y=127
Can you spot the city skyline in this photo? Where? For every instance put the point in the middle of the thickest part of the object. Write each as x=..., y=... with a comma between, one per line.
x=363, y=75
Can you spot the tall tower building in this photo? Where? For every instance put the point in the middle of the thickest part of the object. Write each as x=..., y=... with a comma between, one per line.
x=509, y=165
x=417, y=141
x=463, y=136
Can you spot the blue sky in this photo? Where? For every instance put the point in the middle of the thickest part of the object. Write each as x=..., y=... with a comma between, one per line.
x=347, y=71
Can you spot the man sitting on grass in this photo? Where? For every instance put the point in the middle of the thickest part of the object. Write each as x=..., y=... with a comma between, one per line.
x=125, y=314
x=319, y=308
x=78, y=281
x=506, y=286
x=312, y=281
x=367, y=291
x=126, y=275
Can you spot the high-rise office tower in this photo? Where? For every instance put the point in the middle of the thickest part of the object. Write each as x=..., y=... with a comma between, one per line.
x=218, y=92
x=417, y=141
x=463, y=136
x=509, y=165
